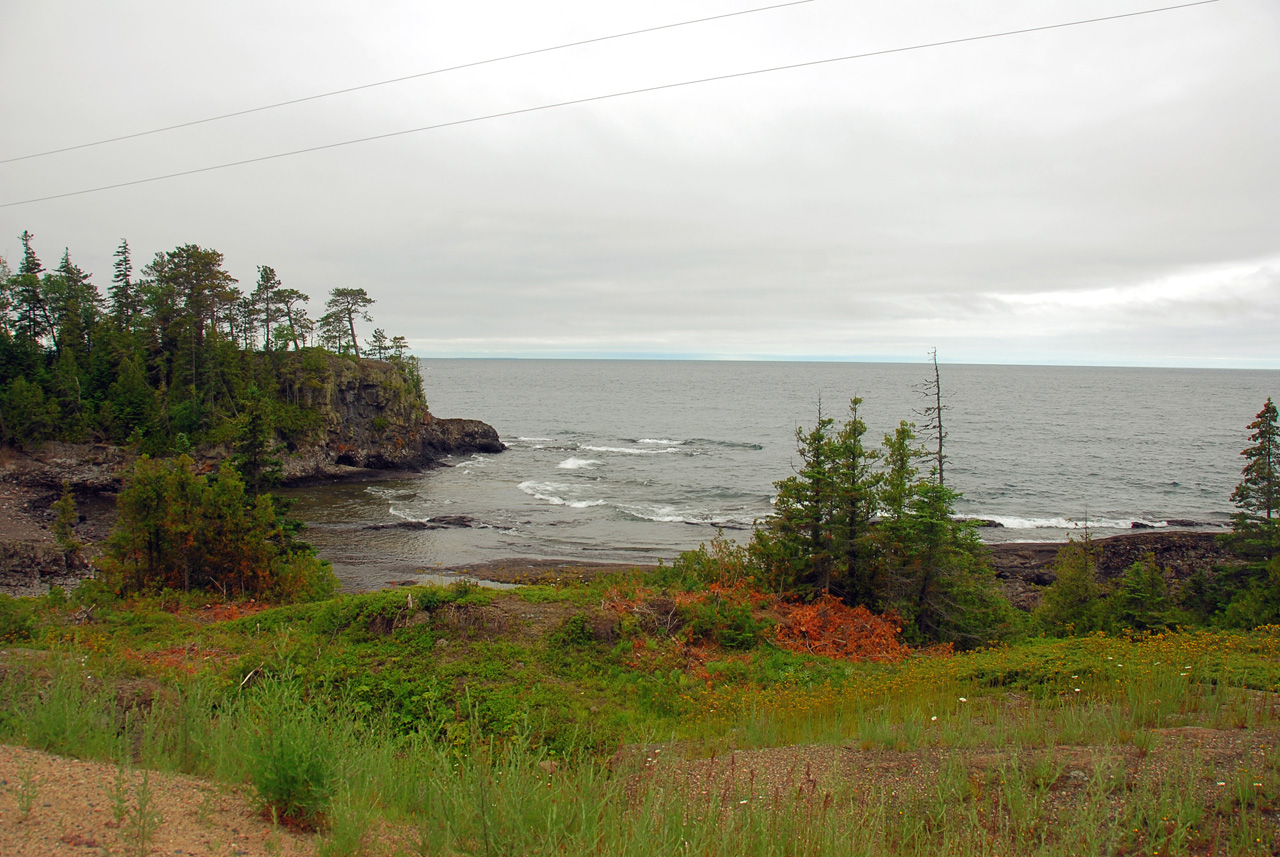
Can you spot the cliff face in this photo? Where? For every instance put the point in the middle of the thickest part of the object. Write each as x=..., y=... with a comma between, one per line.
x=373, y=418
x=356, y=417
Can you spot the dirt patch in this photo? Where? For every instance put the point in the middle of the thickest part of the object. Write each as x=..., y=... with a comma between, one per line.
x=70, y=810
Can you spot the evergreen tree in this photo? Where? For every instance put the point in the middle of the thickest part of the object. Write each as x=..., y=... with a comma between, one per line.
x=255, y=446
x=183, y=530
x=34, y=318
x=796, y=542
x=1142, y=601
x=188, y=293
x=299, y=326
x=344, y=307
x=1074, y=602
x=855, y=484
x=899, y=483
x=124, y=300
x=76, y=306
x=266, y=303
x=65, y=518
x=1257, y=526
x=1259, y=492
x=379, y=345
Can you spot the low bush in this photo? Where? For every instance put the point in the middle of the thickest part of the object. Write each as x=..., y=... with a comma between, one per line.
x=291, y=759
x=16, y=620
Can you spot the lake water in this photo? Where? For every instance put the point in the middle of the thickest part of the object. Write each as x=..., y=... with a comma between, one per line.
x=616, y=460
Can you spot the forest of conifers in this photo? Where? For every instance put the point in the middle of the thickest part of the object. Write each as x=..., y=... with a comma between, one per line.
x=168, y=357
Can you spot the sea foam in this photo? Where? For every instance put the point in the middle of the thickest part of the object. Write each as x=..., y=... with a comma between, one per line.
x=577, y=463
x=547, y=491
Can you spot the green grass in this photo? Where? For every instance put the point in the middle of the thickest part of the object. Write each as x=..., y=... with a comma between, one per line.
x=360, y=715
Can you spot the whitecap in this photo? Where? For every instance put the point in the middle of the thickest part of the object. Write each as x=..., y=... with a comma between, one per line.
x=547, y=491
x=577, y=463
x=672, y=515
x=661, y=441
x=628, y=451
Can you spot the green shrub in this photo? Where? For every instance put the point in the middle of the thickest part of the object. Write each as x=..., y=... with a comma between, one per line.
x=573, y=632
x=291, y=759
x=1075, y=602
x=17, y=621
x=730, y=625
x=723, y=561
x=178, y=529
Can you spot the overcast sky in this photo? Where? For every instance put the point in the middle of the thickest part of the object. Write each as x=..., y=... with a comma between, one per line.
x=1100, y=194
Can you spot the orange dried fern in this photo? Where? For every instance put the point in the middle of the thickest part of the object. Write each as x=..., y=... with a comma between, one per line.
x=831, y=628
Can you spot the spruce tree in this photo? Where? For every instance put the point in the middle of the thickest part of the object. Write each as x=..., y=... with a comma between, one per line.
x=1257, y=525
x=123, y=294
x=796, y=542
x=855, y=482
x=1259, y=492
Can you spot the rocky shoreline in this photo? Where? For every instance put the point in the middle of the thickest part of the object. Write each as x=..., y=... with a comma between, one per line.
x=31, y=561
x=1024, y=569
x=31, y=481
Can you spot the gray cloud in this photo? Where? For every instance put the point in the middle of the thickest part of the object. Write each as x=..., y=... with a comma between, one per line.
x=1105, y=193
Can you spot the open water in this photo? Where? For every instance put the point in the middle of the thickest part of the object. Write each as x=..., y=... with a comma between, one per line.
x=619, y=460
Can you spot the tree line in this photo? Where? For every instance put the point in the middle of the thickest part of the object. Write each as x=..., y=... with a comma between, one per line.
x=873, y=525
x=170, y=354
x=876, y=526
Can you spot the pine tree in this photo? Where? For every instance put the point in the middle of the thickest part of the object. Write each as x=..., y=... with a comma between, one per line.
x=345, y=306
x=266, y=303
x=294, y=316
x=379, y=345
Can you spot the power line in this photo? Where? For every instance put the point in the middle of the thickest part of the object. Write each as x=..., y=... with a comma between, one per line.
x=399, y=80
x=593, y=98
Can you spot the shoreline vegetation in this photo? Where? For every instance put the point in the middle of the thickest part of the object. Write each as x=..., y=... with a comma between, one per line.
x=853, y=679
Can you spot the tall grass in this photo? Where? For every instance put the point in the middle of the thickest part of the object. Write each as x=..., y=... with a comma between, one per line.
x=373, y=791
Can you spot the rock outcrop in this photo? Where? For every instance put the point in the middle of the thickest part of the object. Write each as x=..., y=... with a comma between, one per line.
x=30, y=568
x=361, y=417
x=1024, y=569
x=374, y=419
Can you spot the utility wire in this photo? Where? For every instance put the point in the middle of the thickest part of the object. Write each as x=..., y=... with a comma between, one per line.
x=400, y=80
x=593, y=98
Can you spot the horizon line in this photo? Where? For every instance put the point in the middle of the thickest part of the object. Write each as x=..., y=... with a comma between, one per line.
x=1225, y=363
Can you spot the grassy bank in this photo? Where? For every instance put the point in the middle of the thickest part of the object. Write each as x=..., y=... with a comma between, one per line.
x=620, y=718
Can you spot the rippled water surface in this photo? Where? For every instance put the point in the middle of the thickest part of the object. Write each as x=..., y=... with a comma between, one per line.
x=636, y=460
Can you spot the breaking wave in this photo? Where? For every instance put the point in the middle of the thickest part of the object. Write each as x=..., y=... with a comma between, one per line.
x=577, y=463
x=547, y=491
